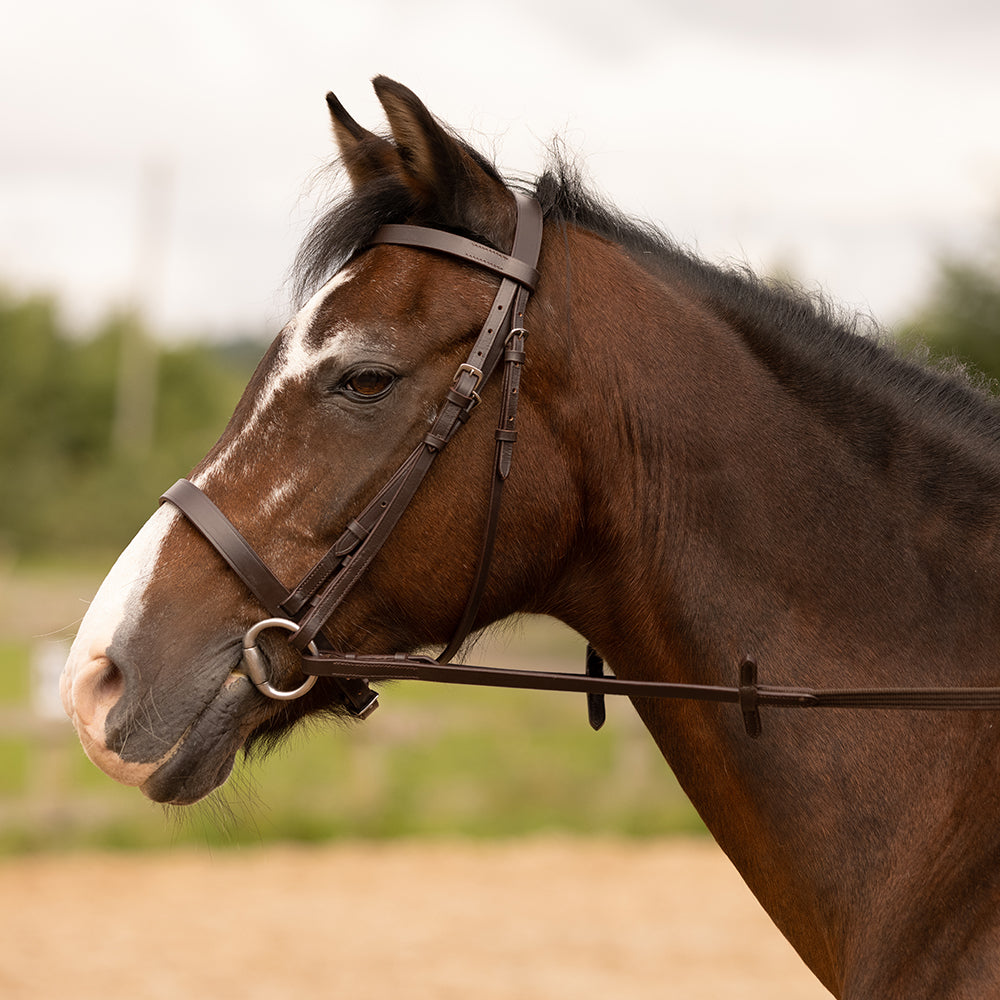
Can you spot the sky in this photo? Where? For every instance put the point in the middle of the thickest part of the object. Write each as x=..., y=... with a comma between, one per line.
x=173, y=153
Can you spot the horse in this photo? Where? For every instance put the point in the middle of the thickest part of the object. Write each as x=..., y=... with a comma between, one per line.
x=711, y=470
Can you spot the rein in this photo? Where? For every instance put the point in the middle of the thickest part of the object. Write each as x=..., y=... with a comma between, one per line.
x=304, y=610
x=748, y=695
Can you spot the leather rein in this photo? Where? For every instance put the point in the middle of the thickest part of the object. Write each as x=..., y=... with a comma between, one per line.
x=304, y=610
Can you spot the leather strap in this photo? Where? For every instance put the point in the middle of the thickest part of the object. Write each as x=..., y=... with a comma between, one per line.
x=505, y=436
x=230, y=544
x=353, y=565
x=226, y=539
x=403, y=667
x=748, y=695
x=354, y=534
x=527, y=243
x=508, y=266
x=387, y=508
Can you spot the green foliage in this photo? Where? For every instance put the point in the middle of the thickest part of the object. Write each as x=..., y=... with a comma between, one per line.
x=66, y=487
x=961, y=317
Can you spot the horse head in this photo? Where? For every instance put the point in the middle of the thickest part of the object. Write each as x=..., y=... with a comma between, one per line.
x=155, y=683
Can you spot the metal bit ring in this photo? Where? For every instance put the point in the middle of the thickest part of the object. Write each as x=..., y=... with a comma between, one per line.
x=255, y=665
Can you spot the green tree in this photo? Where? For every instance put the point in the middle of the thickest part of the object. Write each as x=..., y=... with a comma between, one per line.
x=63, y=487
x=961, y=316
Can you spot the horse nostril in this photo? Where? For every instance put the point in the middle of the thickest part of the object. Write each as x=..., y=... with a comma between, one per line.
x=94, y=687
x=95, y=693
x=110, y=685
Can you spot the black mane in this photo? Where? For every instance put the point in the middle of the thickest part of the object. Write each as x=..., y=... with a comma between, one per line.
x=838, y=364
x=934, y=423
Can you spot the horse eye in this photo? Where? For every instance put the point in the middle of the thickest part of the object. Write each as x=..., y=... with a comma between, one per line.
x=369, y=384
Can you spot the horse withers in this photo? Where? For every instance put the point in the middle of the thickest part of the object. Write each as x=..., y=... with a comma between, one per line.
x=709, y=471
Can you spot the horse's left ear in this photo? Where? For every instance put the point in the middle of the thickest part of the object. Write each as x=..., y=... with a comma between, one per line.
x=365, y=156
x=447, y=182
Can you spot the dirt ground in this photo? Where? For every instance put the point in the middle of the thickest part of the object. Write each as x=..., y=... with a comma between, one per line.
x=541, y=918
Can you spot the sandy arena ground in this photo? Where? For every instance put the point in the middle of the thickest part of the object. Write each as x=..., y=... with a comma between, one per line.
x=520, y=920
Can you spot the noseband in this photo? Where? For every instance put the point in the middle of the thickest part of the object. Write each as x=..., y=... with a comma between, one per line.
x=304, y=610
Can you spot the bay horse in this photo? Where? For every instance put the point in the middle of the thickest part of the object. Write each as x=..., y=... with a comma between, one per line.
x=711, y=470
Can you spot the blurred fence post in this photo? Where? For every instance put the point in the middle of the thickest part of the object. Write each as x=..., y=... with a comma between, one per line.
x=47, y=659
x=47, y=777
x=135, y=406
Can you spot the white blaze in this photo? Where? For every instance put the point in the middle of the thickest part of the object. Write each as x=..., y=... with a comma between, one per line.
x=119, y=600
x=298, y=358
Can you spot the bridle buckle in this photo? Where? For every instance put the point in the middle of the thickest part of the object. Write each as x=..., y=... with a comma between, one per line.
x=477, y=374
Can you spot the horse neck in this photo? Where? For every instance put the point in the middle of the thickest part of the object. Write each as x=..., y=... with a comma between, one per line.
x=725, y=518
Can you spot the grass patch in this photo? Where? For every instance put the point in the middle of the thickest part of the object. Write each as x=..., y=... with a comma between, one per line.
x=14, y=673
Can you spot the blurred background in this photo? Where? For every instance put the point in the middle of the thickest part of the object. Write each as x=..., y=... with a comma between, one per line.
x=158, y=166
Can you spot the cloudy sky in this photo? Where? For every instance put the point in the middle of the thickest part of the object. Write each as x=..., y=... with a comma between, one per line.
x=851, y=143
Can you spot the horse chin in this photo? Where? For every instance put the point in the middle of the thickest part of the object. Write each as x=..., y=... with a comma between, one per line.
x=204, y=757
x=177, y=786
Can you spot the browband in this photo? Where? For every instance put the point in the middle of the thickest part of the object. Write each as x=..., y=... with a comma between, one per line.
x=508, y=266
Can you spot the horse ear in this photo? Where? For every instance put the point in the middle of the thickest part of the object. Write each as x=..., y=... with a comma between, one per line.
x=450, y=184
x=365, y=155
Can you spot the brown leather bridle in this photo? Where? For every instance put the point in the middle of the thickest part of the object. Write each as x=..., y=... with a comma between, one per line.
x=304, y=610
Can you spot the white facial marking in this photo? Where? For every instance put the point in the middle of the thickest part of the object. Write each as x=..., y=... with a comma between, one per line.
x=298, y=358
x=83, y=685
x=271, y=504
